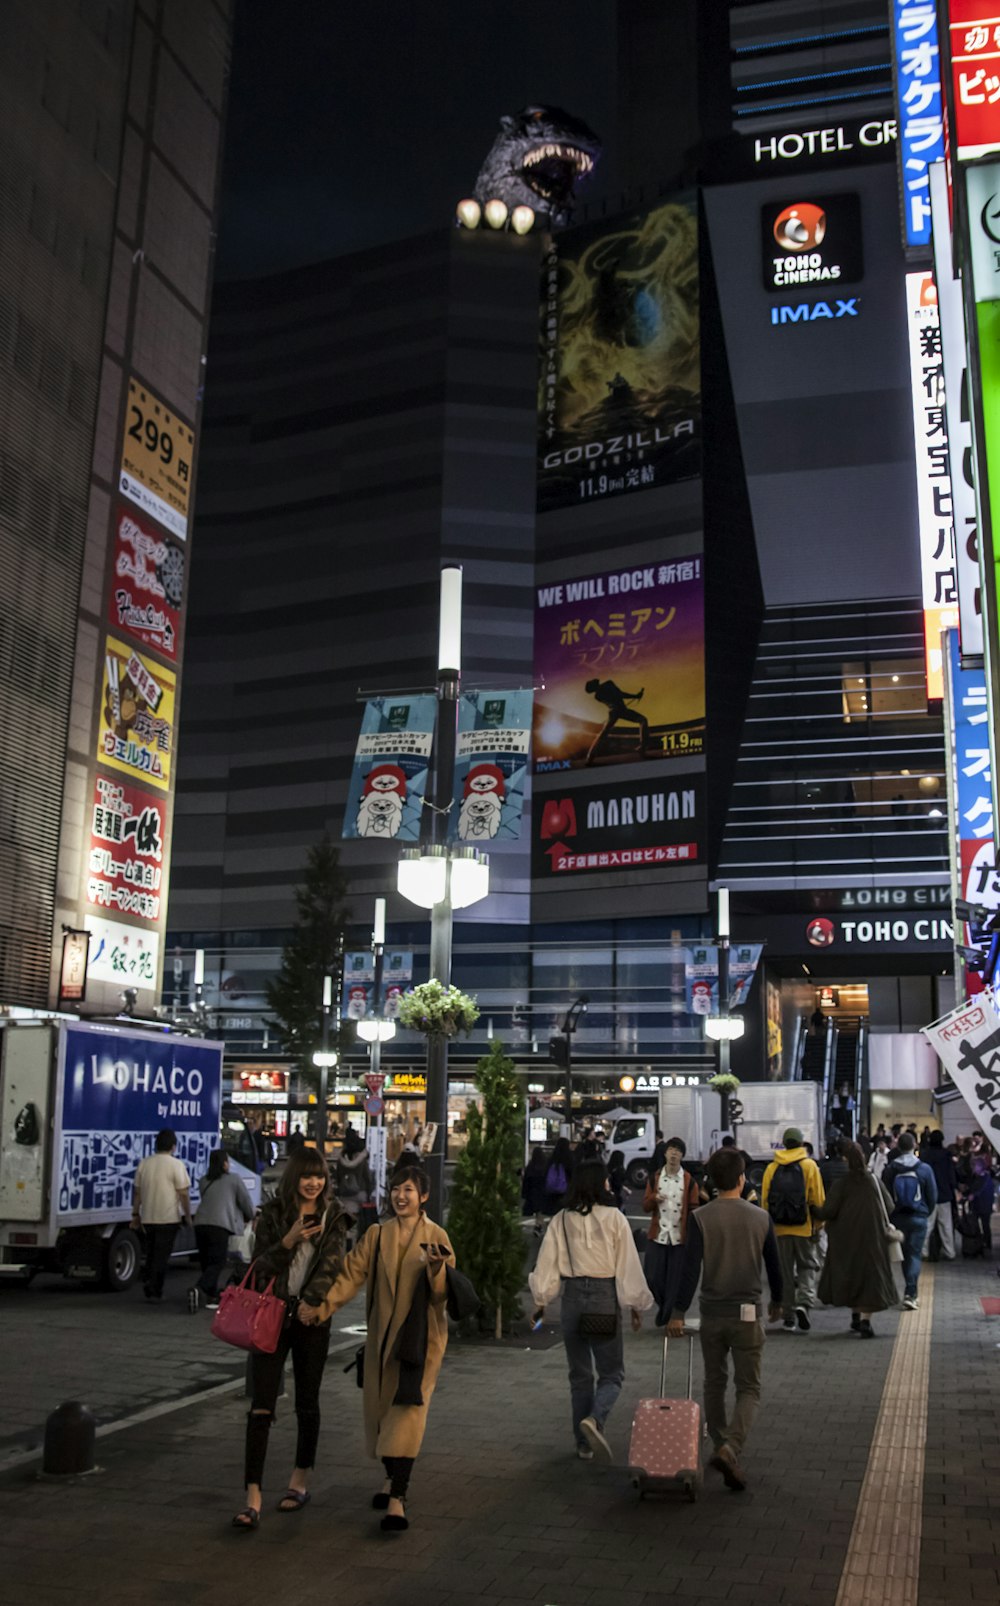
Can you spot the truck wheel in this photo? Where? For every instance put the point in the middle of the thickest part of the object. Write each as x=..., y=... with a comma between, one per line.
x=121, y=1261
x=637, y=1174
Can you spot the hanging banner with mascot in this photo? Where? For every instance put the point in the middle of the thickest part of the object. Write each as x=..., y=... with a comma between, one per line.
x=491, y=762
x=389, y=779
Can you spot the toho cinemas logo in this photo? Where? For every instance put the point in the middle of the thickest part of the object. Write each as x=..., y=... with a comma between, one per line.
x=898, y=932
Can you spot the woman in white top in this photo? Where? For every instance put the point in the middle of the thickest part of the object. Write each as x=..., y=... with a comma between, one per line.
x=589, y=1253
x=879, y=1159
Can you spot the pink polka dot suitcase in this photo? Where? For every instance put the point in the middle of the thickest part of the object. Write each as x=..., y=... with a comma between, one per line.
x=665, y=1444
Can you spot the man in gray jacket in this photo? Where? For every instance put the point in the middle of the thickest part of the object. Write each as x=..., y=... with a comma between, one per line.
x=727, y=1243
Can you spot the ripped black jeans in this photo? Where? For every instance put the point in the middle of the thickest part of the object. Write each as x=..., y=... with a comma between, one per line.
x=308, y=1346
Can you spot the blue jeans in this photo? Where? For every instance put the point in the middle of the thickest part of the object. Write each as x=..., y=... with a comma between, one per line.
x=914, y=1230
x=584, y=1354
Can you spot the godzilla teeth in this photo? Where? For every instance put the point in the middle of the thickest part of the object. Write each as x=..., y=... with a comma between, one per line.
x=566, y=153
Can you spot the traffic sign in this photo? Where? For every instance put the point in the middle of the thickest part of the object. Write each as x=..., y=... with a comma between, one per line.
x=374, y=1082
x=374, y=1105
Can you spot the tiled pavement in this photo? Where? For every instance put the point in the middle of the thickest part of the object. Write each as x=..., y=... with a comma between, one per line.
x=502, y=1512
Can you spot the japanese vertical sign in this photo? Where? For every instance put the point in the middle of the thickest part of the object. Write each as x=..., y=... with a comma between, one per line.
x=974, y=39
x=157, y=450
x=621, y=658
x=620, y=382
x=385, y=797
x=921, y=120
x=136, y=728
x=978, y=882
x=937, y=560
x=954, y=353
x=982, y=188
x=128, y=859
x=491, y=763
x=147, y=588
x=967, y=1042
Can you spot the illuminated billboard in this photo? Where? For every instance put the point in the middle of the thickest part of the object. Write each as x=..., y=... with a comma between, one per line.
x=921, y=117
x=620, y=380
x=974, y=40
x=620, y=663
x=930, y=431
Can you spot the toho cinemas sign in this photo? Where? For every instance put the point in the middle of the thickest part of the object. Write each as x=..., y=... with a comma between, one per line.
x=639, y=826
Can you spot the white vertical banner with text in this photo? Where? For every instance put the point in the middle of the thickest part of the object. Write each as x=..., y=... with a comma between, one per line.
x=967, y=1042
x=930, y=434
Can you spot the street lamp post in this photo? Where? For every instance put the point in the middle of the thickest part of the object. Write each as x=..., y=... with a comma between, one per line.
x=438, y=876
x=375, y=1031
x=562, y=1052
x=724, y=1027
x=324, y=1058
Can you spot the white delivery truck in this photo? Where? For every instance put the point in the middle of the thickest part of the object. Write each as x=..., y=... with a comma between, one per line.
x=692, y=1113
x=80, y=1106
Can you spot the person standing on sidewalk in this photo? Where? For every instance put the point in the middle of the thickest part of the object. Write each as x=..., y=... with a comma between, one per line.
x=728, y=1241
x=589, y=1254
x=300, y=1244
x=161, y=1195
x=911, y=1184
x=225, y=1210
x=671, y=1195
x=946, y=1177
x=792, y=1185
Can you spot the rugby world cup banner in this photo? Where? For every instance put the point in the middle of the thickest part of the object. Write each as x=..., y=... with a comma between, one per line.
x=621, y=658
x=967, y=1042
x=389, y=778
x=491, y=763
x=620, y=382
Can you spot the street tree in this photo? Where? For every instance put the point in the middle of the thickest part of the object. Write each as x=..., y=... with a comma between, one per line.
x=484, y=1222
x=313, y=951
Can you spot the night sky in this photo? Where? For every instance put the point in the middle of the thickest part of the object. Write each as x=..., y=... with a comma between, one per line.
x=352, y=125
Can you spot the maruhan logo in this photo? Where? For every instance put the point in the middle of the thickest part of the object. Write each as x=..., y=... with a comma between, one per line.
x=813, y=311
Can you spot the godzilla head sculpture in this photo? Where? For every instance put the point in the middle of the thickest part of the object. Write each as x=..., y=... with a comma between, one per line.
x=536, y=160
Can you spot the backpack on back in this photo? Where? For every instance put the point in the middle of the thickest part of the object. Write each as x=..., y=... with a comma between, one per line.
x=556, y=1180
x=906, y=1191
x=786, y=1196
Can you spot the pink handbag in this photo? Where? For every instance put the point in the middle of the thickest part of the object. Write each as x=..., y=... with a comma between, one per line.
x=248, y=1319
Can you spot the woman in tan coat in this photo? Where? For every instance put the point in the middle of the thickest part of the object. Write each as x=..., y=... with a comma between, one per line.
x=402, y=1264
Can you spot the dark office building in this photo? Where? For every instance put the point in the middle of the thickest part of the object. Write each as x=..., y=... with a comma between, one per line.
x=109, y=140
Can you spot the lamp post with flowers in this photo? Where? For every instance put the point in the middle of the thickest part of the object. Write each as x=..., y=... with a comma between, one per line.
x=439, y=877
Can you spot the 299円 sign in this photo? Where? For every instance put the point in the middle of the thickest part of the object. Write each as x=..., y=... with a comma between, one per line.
x=157, y=453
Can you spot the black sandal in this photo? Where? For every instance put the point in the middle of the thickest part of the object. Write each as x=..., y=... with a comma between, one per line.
x=248, y=1518
x=298, y=1497
x=392, y=1524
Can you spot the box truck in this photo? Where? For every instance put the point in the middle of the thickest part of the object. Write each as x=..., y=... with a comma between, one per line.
x=692, y=1113
x=80, y=1106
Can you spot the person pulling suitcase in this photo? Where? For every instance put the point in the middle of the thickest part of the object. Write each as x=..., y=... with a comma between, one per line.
x=727, y=1242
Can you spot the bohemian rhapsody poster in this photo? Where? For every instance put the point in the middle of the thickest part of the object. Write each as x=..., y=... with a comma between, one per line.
x=620, y=383
x=621, y=660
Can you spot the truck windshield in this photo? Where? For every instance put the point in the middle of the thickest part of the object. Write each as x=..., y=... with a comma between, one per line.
x=628, y=1131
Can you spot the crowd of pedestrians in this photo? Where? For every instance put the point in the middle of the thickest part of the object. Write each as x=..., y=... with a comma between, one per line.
x=827, y=1232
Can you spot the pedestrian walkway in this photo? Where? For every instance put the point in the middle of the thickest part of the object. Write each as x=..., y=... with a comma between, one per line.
x=504, y=1514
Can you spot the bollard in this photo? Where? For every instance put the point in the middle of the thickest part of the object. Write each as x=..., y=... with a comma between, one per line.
x=69, y=1441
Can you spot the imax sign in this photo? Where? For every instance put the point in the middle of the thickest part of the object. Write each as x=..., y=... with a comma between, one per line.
x=812, y=311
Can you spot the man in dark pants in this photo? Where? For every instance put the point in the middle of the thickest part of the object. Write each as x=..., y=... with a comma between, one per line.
x=161, y=1194
x=914, y=1196
x=726, y=1243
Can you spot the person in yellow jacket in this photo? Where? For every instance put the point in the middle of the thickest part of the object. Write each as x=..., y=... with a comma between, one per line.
x=792, y=1186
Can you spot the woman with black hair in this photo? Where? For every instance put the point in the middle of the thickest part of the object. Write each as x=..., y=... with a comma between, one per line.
x=225, y=1210
x=589, y=1254
x=300, y=1243
x=353, y=1182
x=402, y=1264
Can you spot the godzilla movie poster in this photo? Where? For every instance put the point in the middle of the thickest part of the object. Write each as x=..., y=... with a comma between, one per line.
x=620, y=383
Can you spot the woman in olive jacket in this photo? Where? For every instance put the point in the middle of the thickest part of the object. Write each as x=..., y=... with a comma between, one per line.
x=300, y=1243
x=857, y=1272
x=402, y=1263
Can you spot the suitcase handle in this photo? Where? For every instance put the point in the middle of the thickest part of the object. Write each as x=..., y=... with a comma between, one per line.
x=663, y=1368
